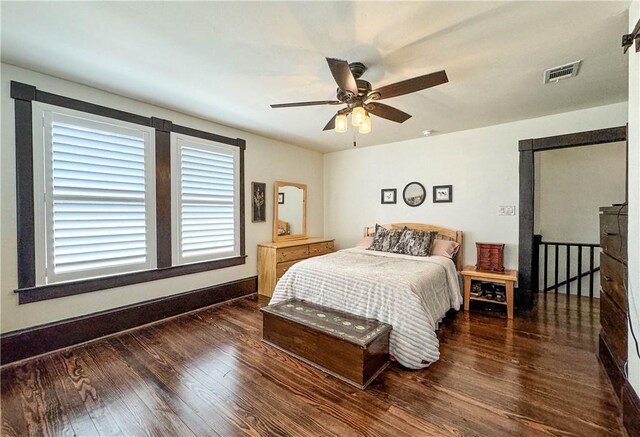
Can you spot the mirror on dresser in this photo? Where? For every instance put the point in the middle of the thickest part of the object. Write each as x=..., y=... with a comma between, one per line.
x=290, y=243
x=289, y=211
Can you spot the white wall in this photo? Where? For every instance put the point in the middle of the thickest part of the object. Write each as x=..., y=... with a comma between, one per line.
x=634, y=201
x=266, y=160
x=571, y=185
x=481, y=164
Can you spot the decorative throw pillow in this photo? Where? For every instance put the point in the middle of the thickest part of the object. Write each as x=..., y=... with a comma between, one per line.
x=416, y=243
x=385, y=239
x=378, y=238
x=394, y=237
x=446, y=248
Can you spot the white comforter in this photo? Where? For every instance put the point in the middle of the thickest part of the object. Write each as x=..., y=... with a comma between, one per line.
x=411, y=293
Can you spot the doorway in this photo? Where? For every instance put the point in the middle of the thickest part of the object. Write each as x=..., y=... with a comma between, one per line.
x=529, y=255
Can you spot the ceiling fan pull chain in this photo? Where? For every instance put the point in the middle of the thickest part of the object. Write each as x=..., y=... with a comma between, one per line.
x=354, y=138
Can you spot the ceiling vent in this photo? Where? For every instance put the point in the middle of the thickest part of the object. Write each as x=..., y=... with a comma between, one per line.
x=563, y=72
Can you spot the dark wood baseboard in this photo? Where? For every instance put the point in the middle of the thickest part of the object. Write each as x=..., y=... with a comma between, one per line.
x=630, y=410
x=30, y=342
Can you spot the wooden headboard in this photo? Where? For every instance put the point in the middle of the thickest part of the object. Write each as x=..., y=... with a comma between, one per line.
x=284, y=226
x=443, y=233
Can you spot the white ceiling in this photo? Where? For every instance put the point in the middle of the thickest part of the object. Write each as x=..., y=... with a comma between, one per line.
x=227, y=62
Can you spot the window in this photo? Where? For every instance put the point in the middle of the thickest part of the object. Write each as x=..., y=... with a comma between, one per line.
x=205, y=179
x=107, y=198
x=95, y=213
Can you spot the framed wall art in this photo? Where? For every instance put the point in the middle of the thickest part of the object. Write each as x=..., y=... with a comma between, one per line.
x=442, y=193
x=258, y=202
x=388, y=195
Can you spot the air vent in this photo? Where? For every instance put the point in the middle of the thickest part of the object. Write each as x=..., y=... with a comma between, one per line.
x=563, y=72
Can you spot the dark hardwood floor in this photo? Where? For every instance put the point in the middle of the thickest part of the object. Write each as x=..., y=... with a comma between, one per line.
x=208, y=373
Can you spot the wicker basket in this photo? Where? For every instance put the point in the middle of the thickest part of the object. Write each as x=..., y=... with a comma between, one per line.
x=490, y=257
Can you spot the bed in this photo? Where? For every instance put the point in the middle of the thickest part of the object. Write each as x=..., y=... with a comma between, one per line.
x=411, y=293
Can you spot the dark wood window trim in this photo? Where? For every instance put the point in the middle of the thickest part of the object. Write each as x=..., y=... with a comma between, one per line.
x=163, y=191
x=527, y=282
x=53, y=291
x=24, y=95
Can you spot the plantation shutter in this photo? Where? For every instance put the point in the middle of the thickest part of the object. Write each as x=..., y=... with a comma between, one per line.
x=207, y=201
x=98, y=211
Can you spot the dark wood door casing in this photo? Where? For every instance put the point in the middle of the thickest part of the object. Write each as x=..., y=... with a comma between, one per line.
x=527, y=284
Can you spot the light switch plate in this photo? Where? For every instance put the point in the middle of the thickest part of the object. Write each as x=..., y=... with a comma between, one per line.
x=507, y=210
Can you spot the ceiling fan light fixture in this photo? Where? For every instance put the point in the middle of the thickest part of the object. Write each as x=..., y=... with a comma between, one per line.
x=358, y=115
x=341, y=123
x=365, y=126
x=360, y=98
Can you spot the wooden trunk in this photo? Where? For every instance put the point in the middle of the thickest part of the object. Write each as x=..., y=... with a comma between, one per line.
x=355, y=353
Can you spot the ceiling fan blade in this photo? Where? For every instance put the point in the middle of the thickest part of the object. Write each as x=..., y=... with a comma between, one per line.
x=342, y=75
x=411, y=85
x=332, y=124
x=388, y=112
x=317, y=102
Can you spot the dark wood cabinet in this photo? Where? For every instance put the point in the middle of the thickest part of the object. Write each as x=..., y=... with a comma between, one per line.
x=613, y=294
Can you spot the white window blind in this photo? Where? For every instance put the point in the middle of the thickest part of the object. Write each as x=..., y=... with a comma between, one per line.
x=98, y=202
x=206, y=198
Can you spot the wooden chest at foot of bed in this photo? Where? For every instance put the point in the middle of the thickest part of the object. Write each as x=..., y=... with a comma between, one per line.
x=351, y=348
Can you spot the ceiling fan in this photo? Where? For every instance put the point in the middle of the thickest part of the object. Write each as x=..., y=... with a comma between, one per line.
x=362, y=100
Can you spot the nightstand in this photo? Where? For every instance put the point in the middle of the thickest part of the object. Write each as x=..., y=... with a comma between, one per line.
x=508, y=278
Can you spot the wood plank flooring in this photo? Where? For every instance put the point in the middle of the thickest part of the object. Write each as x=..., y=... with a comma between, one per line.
x=208, y=373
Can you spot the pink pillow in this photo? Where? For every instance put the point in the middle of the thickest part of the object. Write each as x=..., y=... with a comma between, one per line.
x=444, y=248
x=364, y=243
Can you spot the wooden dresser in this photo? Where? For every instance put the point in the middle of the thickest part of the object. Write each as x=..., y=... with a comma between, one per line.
x=274, y=259
x=613, y=295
